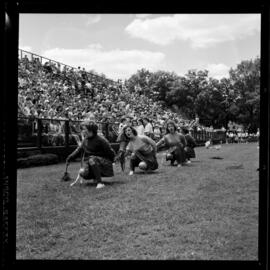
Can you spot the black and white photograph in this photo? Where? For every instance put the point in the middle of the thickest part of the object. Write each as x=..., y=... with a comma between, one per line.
x=138, y=136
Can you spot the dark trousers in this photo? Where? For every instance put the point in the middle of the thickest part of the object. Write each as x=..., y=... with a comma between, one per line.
x=178, y=155
x=134, y=162
x=96, y=167
x=96, y=172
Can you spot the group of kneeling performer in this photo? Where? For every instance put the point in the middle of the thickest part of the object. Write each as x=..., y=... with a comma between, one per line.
x=98, y=155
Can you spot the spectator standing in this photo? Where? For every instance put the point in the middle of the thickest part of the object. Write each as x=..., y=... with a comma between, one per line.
x=148, y=130
x=157, y=133
x=122, y=125
x=140, y=127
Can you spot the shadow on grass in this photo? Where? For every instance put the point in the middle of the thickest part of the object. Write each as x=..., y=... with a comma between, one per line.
x=106, y=183
x=147, y=173
x=235, y=167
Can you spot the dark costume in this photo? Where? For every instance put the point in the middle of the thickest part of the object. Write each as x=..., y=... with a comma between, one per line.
x=191, y=144
x=98, y=158
x=123, y=142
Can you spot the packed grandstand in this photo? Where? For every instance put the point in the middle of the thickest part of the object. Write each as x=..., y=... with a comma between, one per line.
x=48, y=90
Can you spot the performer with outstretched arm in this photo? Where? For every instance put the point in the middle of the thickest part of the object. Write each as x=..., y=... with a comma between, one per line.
x=98, y=152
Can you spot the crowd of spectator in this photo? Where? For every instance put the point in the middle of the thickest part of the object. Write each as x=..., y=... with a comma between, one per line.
x=240, y=136
x=46, y=91
x=50, y=92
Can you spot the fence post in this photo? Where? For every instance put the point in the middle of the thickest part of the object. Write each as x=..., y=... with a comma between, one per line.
x=39, y=134
x=67, y=134
x=107, y=130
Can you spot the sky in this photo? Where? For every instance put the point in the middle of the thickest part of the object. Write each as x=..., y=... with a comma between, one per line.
x=117, y=45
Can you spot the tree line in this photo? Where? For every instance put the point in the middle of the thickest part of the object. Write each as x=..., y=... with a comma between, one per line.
x=215, y=102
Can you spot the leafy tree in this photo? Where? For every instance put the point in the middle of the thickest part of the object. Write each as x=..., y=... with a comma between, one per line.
x=160, y=85
x=193, y=83
x=218, y=101
x=138, y=82
x=209, y=104
x=246, y=82
x=229, y=103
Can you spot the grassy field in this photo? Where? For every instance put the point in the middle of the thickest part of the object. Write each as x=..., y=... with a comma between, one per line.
x=207, y=210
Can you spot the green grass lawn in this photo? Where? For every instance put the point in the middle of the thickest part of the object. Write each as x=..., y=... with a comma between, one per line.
x=207, y=210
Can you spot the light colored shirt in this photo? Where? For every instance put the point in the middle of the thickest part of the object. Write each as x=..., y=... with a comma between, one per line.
x=157, y=131
x=140, y=130
x=148, y=128
x=141, y=143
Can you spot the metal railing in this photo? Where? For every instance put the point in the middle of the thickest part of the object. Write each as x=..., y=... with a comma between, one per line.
x=202, y=135
x=44, y=132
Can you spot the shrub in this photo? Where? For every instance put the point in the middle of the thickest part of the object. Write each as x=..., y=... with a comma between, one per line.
x=37, y=160
x=25, y=154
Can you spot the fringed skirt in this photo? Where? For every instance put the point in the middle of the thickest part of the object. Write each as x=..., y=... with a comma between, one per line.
x=149, y=158
x=103, y=164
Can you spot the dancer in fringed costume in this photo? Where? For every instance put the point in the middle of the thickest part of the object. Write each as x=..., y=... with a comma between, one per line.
x=98, y=155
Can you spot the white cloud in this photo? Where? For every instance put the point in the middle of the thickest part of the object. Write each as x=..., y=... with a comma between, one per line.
x=91, y=18
x=115, y=64
x=218, y=71
x=95, y=46
x=201, y=31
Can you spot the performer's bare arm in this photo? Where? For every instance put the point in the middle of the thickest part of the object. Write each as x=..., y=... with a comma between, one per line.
x=151, y=142
x=160, y=143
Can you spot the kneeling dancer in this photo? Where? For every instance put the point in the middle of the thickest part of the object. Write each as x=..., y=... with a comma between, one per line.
x=143, y=150
x=98, y=152
x=191, y=144
x=175, y=142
